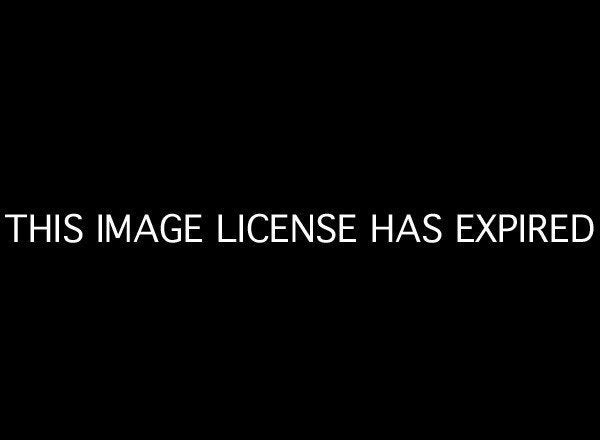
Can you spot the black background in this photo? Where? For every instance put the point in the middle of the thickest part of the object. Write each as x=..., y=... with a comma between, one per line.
x=386, y=112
